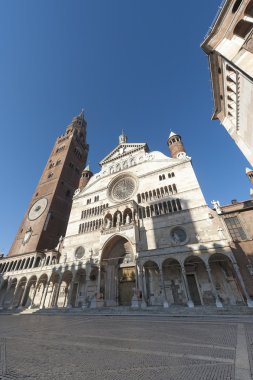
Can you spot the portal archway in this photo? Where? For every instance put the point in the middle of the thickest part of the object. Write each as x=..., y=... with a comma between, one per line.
x=117, y=272
x=226, y=280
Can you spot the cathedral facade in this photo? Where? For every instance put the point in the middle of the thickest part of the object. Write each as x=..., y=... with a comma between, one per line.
x=139, y=234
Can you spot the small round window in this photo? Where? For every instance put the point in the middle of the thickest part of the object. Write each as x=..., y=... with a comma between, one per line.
x=178, y=235
x=79, y=253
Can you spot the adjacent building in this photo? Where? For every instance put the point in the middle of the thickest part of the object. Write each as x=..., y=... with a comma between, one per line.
x=229, y=46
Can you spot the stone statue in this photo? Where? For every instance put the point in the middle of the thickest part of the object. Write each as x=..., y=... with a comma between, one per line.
x=216, y=206
x=108, y=223
x=221, y=233
x=176, y=237
x=118, y=219
x=128, y=219
x=60, y=244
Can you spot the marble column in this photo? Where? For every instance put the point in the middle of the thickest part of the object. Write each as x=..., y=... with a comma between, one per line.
x=165, y=300
x=23, y=295
x=144, y=288
x=70, y=289
x=187, y=290
x=43, y=298
x=214, y=291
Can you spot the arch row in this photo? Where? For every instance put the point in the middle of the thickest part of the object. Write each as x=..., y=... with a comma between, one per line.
x=48, y=290
x=28, y=263
x=215, y=280
x=93, y=211
x=155, y=194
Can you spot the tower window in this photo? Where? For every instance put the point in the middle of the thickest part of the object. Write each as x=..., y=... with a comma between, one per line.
x=243, y=28
x=236, y=5
x=50, y=175
x=71, y=165
x=58, y=162
x=67, y=194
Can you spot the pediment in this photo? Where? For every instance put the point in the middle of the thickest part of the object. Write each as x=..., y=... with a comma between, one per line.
x=123, y=150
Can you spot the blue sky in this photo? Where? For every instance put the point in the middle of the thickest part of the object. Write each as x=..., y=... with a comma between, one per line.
x=131, y=64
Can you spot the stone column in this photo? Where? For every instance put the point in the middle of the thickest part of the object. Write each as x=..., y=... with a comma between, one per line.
x=187, y=290
x=99, y=282
x=43, y=298
x=23, y=295
x=13, y=298
x=58, y=290
x=70, y=289
x=135, y=298
x=239, y=276
x=144, y=289
x=34, y=295
x=214, y=291
x=165, y=301
x=4, y=295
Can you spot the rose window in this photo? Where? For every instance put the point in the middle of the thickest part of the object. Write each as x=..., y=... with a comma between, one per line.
x=122, y=188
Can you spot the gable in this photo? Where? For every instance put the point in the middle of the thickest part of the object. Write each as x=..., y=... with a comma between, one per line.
x=123, y=150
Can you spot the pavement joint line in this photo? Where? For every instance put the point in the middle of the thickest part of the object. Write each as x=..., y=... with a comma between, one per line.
x=169, y=342
x=139, y=351
x=242, y=366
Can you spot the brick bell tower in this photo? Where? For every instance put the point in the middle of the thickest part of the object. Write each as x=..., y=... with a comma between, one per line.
x=176, y=146
x=47, y=215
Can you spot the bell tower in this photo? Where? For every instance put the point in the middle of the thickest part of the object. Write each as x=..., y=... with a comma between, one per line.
x=176, y=146
x=48, y=212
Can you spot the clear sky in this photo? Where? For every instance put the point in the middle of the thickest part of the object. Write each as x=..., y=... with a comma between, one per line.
x=131, y=64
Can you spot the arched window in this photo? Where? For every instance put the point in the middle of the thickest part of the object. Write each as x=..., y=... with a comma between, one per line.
x=249, y=9
x=243, y=28
x=174, y=205
x=236, y=5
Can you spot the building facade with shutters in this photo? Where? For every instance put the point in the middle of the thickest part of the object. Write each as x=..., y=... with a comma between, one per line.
x=139, y=234
x=229, y=47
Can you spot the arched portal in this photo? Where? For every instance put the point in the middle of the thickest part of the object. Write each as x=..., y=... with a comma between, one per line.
x=200, y=289
x=79, y=289
x=63, y=296
x=39, y=291
x=30, y=292
x=10, y=293
x=53, y=290
x=225, y=280
x=117, y=272
x=173, y=283
x=18, y=297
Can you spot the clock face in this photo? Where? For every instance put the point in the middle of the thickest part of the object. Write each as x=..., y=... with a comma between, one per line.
x=37, y=209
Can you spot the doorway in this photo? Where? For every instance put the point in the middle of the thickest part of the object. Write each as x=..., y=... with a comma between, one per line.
x=193, y=287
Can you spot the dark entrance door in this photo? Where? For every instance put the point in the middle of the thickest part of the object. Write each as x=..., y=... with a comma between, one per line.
x=126, y=285
x=193, y=287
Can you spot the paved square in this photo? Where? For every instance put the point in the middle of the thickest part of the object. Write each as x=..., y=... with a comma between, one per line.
x=126, y=348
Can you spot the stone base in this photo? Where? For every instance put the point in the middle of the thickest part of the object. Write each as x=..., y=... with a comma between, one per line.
x=143, y=304
x=218, y=304
x=190, y=304
x=249, y=303
x=134, y=302
x=166, y=304
x=96, y=303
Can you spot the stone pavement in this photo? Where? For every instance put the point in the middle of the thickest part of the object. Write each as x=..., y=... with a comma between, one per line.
x=126, y=347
